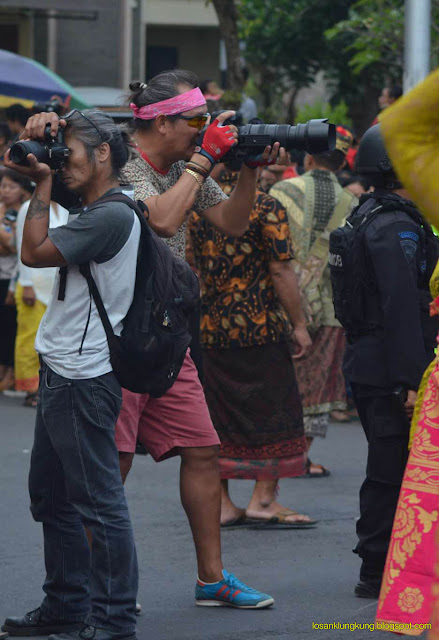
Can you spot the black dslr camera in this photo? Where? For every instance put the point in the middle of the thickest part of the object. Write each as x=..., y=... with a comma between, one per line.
x=51, y=151
x=314, y=136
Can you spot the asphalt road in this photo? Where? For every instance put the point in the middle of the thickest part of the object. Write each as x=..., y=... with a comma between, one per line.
x=310, y=573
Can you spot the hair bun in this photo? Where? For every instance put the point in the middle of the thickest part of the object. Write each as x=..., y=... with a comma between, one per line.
x=137, y=86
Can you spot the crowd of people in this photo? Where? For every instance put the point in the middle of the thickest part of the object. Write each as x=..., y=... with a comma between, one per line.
x=283, y=341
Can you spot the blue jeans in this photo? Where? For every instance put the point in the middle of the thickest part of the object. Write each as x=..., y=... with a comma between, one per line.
x=75, y=481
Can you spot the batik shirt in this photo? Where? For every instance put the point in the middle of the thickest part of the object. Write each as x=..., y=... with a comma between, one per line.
x=239, y=303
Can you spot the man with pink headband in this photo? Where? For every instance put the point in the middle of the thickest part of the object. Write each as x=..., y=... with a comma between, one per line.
x=170, y=173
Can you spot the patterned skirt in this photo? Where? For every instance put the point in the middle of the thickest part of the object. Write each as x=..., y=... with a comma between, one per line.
x=320, y=377
x=255, y=406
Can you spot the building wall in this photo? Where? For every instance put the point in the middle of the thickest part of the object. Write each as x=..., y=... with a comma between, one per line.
x=138, y=42
x=180, y=12
x=190, y=41
x=40, y=40
x=25, y=26
x=88, y=52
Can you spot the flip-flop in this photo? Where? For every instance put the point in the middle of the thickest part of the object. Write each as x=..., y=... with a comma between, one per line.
x=236, y=523
x=341, y=417
x=279, y=521
x=309, y=474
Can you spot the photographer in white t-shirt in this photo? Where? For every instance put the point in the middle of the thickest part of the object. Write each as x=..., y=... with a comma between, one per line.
x=74, y=477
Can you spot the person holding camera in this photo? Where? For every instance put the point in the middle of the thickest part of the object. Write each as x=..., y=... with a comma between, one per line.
x=171, y=175
x=74, y=477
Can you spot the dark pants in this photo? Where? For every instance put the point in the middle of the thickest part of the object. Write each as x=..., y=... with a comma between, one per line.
x=387, y=431
x=75, y=481
x=8, y=327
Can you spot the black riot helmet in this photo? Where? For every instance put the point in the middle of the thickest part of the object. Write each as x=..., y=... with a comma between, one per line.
x=373, y=162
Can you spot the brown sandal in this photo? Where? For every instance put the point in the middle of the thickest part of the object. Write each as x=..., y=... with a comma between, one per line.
x=324, y=473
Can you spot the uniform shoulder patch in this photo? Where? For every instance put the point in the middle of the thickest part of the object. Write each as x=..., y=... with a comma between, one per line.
x=409, y=244
x=404, y=235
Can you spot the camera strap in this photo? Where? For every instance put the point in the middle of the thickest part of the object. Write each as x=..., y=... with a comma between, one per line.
x=62, y=283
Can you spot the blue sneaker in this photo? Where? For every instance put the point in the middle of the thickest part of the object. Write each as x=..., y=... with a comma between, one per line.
x=230, y=592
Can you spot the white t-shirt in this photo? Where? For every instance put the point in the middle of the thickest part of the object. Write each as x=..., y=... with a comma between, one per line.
x=108, y=237
x=41, y=280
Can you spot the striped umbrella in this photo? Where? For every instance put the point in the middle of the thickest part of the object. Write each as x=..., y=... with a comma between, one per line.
x=26, y=81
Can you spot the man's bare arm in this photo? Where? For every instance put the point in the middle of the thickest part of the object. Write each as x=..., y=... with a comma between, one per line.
x=37, y=250
x=287, y=289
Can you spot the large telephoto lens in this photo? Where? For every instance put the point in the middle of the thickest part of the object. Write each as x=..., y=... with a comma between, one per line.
x=20, y=151
x=314, y=137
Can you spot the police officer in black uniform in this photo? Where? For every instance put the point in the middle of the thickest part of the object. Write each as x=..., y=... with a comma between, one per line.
x=382, y=299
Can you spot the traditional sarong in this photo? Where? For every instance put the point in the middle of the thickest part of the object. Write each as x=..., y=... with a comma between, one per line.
x=319, y=375
x=255, y=407
x=408, y=576
x=26, y=358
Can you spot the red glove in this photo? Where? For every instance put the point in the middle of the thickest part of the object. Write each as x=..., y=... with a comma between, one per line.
x=217, y=140
x=255, y=161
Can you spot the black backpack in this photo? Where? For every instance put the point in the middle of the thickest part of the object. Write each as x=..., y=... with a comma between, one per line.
x=352, y=278
x=149, y=353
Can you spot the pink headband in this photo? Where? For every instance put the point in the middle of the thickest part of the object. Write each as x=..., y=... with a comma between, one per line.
x=178, y=104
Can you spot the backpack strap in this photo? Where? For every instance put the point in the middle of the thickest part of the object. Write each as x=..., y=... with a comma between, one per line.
x=94, y=293
x=62, y=283
x=139, y=208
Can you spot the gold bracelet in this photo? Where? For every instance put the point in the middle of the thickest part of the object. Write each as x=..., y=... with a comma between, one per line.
x=196, y=176
x=195, y=167
x=198, y=168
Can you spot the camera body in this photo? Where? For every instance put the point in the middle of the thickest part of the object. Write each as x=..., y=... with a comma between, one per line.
x=314, y=136
x=53, y=106
x=51, y=151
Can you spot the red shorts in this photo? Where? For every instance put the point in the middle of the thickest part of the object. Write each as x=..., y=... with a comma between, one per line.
x=180, y=418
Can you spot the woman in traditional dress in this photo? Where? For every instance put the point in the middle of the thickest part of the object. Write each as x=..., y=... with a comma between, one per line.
x=410, y=588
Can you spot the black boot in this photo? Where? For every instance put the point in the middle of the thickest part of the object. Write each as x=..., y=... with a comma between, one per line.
x=94, y=633
x=370, y=581
x=35, y=624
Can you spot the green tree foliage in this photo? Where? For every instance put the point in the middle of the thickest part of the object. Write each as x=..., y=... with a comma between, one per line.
x=286, y=46
x=337, y=114
x=285, y=41
x=375, y=36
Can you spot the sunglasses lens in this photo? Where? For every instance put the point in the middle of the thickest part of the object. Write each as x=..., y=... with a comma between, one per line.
x=198, y=122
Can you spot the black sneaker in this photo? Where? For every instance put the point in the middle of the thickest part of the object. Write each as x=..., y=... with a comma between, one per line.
x=34, y=624
x=93, y=633
x=368, y=590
